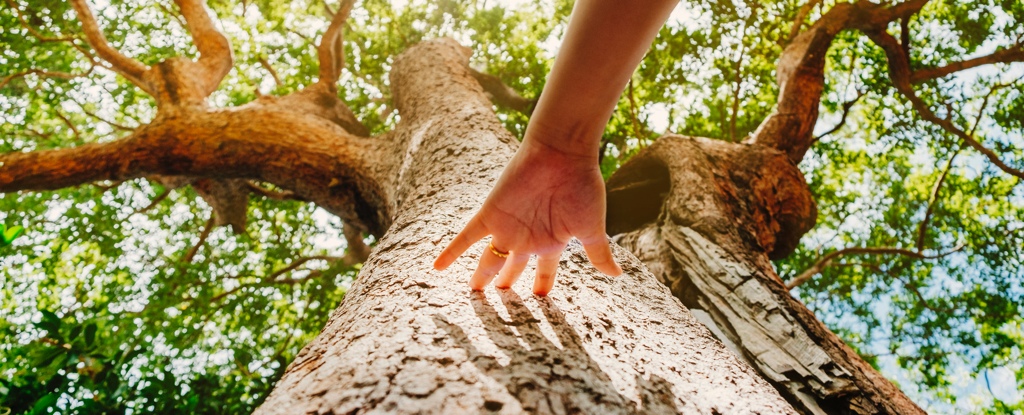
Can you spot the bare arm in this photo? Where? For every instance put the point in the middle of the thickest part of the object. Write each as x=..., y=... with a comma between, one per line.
x=552, y=189
x=604, y=43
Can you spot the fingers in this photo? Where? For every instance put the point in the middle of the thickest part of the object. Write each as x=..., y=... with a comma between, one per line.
x=547, y=267
x=488, y=267
x=513, y=268
x=600, y=255
x=474, y=231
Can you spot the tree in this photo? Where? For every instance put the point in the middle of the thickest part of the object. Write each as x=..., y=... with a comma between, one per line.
x=706, y=216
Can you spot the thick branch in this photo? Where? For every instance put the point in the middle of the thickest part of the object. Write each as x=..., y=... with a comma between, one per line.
x=1014, y=53
x=503, y=95
x=800, y=72
x=130, y=68
x=899, y=71
x=316, y=159
x=801, y=79
x=331, y=49
x=214, y=49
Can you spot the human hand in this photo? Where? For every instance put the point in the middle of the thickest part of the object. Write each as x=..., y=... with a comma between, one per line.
x=543, y=198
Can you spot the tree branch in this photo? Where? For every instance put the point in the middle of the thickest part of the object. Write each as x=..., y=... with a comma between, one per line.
x=297, y=263
x=273, y=277
x=156, y=201
x=824, y=262
x=899, y=71
x=43, y=73
x=1014, y=53
x=898, y=11
x=202, y=239
x=842, y=120
x=129, y=68
x=357, y=251
x=33, y=31
x=331, y=50
x=317, y=160
x=270, y=68
x=923, y=226
x=801, y=15
x=92, y=114
x=503, y=95
x=271, y=194
x=69, y=124
x=215, y=57
x=800, y=72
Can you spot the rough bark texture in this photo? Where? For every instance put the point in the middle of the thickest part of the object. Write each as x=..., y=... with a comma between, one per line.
x=702, y=214
x=408, y=339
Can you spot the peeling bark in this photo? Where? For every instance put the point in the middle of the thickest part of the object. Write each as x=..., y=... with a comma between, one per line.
x=708, y=210
x=408, y=339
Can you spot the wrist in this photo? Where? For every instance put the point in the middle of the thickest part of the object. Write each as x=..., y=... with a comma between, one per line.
x=541, y=154
x=576, y=141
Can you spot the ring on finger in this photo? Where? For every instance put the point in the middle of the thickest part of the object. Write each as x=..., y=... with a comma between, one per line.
x=497, y=252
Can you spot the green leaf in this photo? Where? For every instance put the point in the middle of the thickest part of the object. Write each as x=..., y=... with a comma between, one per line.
x=90, y=334
x=43, y=357
x=50, y=322
x=45, y=403
x=8, y=234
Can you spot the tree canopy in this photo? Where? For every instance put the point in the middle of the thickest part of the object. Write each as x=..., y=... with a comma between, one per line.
x=127, y=296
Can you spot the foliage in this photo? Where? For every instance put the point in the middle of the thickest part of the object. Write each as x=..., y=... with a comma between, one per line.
x=108, y=307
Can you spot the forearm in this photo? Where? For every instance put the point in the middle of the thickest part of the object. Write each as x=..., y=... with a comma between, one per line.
x=604, y=43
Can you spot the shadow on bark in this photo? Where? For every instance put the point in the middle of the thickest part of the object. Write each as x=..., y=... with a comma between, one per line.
x=571, y=385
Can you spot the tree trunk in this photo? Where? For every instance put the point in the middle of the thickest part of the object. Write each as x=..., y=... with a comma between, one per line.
x=705, y=216
x=408, y=339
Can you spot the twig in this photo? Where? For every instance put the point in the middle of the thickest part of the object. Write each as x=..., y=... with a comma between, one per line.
x=632, y=114
x=842, y=120
x=923, y=226
x=270, y=194
x=826, y=261
x=801, y=14
x=69, y=124
x=156, y=201
x=202, y=239
x=44, y=73
x=266, y=65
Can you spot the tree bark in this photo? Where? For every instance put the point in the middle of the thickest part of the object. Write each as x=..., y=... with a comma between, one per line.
x=706, y=216
x=408, y=339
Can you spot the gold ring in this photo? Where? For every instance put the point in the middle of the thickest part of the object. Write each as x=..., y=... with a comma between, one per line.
x=496, y=252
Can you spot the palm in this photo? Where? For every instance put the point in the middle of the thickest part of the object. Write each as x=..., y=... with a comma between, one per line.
x=541, y=201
